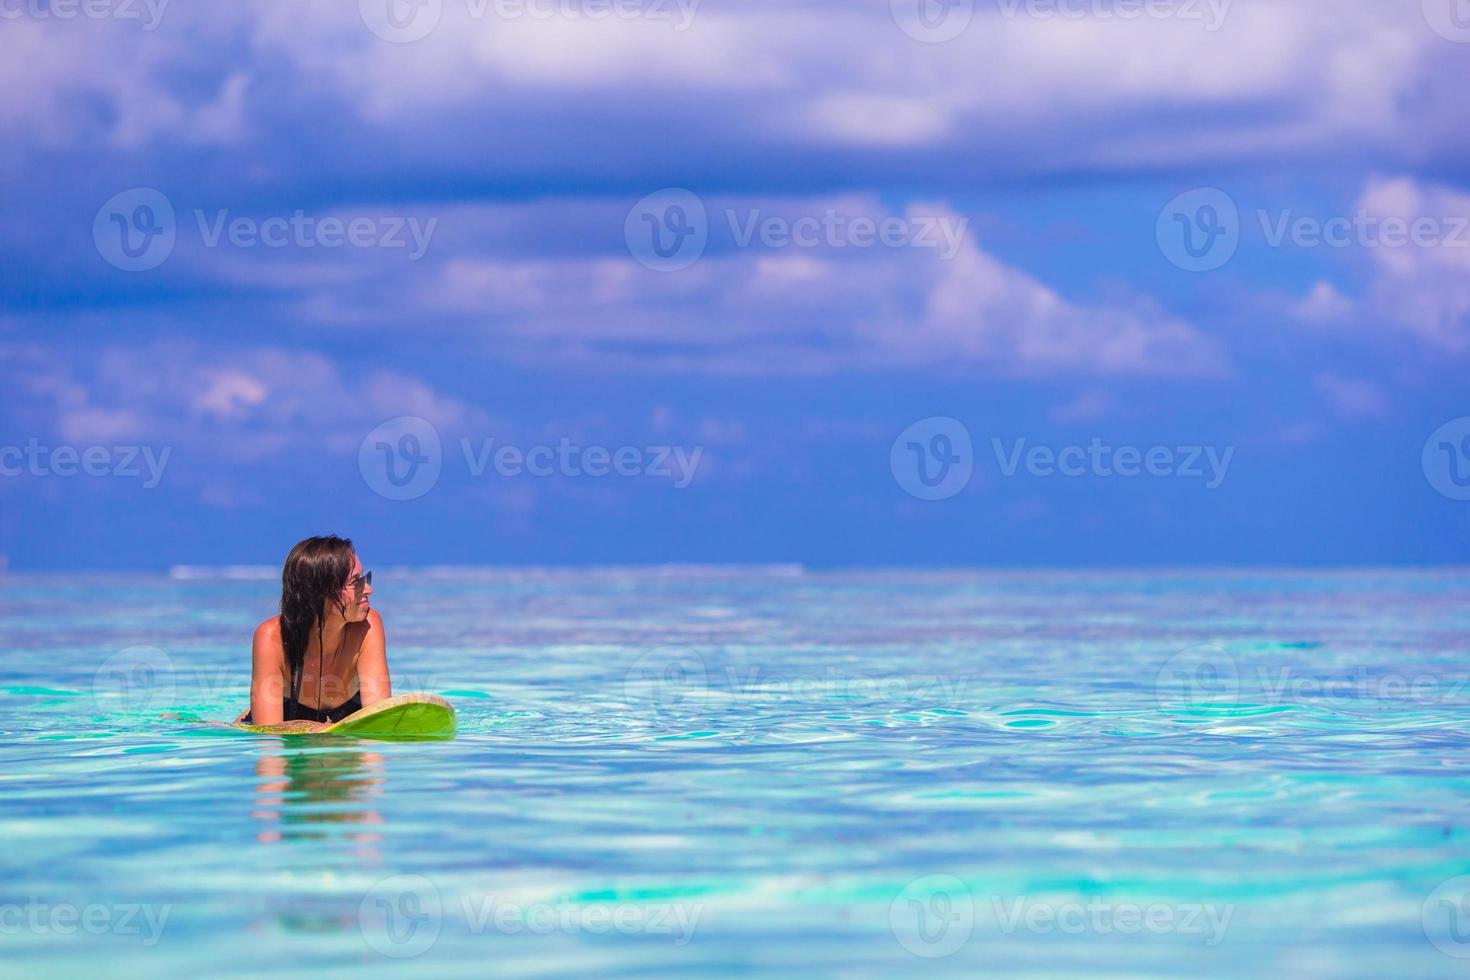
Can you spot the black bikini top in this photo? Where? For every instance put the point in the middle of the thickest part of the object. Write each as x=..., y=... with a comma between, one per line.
x=293, y=710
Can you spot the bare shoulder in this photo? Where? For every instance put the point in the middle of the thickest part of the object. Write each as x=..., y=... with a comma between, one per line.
x=369, y=630
x=372, y=633
x=269, y=631
x=267, y=652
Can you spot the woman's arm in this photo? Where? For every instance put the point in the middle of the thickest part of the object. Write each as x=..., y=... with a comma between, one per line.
x=267, y=669
x=373, y=681
x=268, y=682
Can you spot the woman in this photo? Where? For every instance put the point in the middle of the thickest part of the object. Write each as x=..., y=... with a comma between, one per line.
x=324, y=656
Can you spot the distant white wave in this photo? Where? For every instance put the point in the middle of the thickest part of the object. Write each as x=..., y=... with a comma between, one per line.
x=611, y=571
x=239, y=573
x=257, y=573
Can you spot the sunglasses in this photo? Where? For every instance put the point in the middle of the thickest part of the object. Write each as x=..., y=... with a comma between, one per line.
x=361, y=582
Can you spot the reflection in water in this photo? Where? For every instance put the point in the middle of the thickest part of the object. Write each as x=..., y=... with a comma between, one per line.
x=307, y=794
x=316, y=795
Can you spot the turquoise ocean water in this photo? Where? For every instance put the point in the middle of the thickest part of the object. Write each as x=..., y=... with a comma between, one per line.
x=704, y=772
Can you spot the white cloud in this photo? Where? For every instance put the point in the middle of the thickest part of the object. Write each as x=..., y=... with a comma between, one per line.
x=222, y=403
x=91, y=425
x=1323, y=304
x=229, y=394
x=1353, y=398
x=981, y=309
x=1088, y=406
x=1412, y=239
x=878, y=119
x=1423, y=288
x=223, y=120
x=790, y=309
x=1054, y=94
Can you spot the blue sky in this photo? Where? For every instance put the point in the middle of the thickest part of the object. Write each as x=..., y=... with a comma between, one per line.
x=239, y=239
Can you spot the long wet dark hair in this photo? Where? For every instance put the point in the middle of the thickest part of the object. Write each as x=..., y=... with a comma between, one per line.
x=314, y=574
